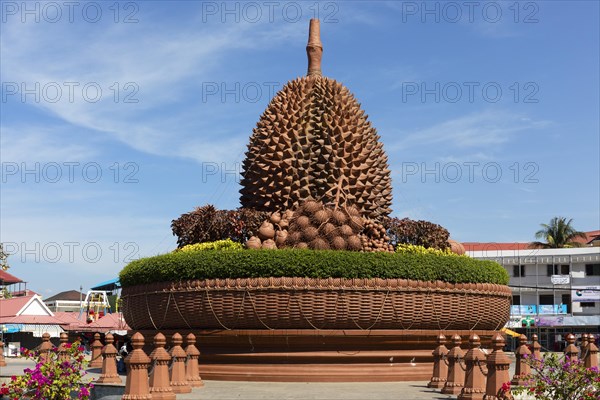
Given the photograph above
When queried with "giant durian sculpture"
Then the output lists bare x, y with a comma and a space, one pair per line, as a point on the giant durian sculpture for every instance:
315, 142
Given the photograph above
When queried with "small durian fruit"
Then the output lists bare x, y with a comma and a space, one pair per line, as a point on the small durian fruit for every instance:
338, 243
328, 229
312, 206
346, 231
320, 217
303, 222
339, 217
269, 244
294, 237
310, 233
288, 214
356, 223
319, 244
281, 238
276, 218
302, 245
266, 231
253, 243
352, 211
354, 243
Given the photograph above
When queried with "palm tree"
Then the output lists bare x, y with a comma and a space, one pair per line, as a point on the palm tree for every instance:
558, 233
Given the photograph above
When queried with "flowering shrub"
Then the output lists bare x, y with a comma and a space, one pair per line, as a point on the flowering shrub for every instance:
555, 378
226, 244
60, 377
416, 249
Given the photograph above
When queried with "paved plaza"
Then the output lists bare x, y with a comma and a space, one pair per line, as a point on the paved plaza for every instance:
221, 390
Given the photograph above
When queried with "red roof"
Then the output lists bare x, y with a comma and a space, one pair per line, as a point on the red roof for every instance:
590, 236
107, 323
32, 319
491, 246
10, 307
71, 319
8, 279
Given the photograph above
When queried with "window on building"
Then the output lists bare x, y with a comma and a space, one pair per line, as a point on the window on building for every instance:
516, 300
592, 269
563, 269
566, 299
518, 270
546, 299
588, 304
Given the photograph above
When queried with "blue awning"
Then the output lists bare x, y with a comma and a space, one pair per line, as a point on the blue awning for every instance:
12, 328
108, 285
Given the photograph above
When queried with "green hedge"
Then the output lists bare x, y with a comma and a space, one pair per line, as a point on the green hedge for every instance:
181, 266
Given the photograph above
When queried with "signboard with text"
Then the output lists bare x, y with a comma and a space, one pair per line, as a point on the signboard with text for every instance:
560, 279
585, 293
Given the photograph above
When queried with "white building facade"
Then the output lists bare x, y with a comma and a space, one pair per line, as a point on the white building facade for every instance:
555, 291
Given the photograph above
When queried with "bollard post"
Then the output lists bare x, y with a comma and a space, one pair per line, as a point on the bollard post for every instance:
571, 350
2, 359
136, 384
498, 374
591, 359
522, 368
192, 374
45, 348
160, 388
62, 347
178, 381
456, 373
536, 347
584, 342
96, 361
440, 369
109, 362
474, 386
583, 346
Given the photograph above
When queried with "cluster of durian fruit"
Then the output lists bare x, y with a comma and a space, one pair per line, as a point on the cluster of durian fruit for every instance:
317, 226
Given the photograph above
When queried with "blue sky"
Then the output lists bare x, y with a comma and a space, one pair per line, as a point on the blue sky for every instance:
117, 119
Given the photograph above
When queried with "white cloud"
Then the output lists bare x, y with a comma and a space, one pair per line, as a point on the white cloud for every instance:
484, 129
34, 143
163, 69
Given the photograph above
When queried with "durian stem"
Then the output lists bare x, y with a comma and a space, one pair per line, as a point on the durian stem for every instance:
314, 48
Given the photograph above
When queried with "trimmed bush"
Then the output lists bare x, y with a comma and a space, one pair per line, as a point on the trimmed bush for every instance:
180, 266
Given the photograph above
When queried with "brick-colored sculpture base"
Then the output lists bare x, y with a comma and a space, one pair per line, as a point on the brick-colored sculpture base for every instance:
317, 356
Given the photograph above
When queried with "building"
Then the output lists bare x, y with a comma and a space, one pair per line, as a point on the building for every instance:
555, 291
68, 301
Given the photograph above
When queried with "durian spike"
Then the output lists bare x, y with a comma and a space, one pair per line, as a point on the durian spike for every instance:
314, 48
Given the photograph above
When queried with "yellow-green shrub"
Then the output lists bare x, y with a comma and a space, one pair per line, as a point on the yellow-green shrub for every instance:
414, 249
226, 244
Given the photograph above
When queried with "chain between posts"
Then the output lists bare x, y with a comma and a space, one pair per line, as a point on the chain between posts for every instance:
445, 359
461, 363
484, 372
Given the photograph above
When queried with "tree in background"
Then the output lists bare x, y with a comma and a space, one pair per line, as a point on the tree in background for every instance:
558, 233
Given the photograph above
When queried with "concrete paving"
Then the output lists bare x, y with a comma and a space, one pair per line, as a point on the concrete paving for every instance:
221, 390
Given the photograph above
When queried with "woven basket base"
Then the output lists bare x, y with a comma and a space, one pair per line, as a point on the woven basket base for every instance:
319, 304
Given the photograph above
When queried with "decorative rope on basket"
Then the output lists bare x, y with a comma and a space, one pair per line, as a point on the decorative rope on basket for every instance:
315, 303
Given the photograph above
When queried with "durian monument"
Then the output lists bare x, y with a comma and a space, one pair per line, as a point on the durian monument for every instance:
319, 291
